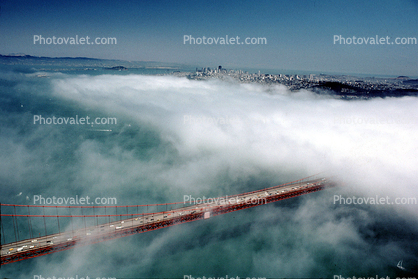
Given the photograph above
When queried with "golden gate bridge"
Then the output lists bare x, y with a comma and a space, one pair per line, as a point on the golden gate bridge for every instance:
65, 227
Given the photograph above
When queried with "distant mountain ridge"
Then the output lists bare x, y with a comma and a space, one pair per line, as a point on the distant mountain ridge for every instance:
22, 55
25, 59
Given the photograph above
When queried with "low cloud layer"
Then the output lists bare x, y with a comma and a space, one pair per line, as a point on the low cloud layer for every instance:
178, 137
249, 128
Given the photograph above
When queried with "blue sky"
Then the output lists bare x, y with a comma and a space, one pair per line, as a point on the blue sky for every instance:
299, 33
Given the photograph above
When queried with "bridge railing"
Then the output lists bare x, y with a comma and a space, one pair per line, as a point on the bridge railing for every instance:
20, 222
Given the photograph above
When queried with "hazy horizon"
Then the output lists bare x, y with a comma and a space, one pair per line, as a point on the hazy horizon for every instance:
248, 69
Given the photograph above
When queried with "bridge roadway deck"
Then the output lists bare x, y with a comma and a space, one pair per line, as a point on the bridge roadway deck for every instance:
30, 248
